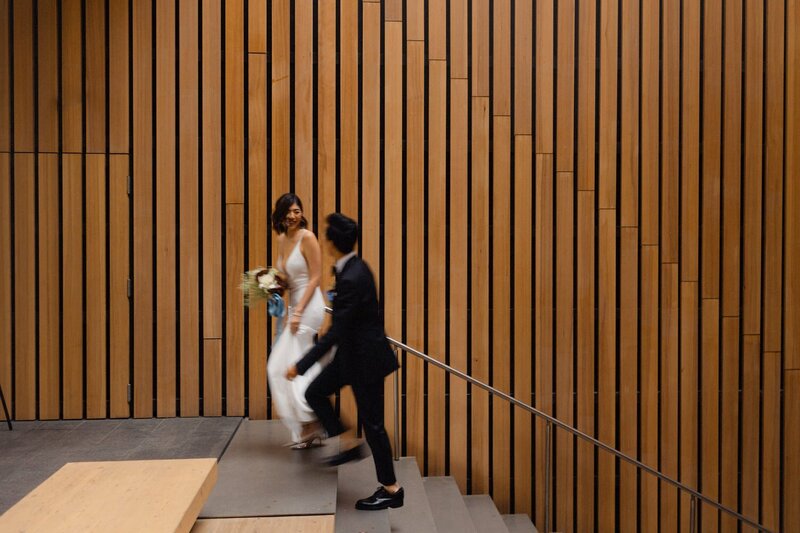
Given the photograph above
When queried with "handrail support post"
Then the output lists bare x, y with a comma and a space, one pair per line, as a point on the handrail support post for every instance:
548, 437
396, 410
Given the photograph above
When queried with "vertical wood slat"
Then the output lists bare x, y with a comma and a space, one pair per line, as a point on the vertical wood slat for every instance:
709, 415
689, 386
234, 324
669, 395
544, 97
118, 82
72, 83
212, 207
523, 67
501, 53
371, 139
771, 442
280, 61
234, 102
565, 99
629, 113
95, 81
119, 272
606, 360
72, 286
415, 247
258, 229
303, 47
480, 47
690, 147
670, 132
565, 348
96, 295
543, 315
5, 76
437, 264
501, 303
523, 319
607, 143
415, 20
628, 370
142, 211
189, 283
165, 223
587, 17
791, 379
750, 430
47, 75
479, 292
24, 192
459, 207
649, 121
459, 35
348, 106
393, 190
648, 368
49, 288
773, 176
24, 105
6, 260
257, 26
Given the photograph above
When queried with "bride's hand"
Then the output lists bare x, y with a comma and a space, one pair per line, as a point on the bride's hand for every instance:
294, 323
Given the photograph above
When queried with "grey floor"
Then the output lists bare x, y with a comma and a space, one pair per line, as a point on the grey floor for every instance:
35, 450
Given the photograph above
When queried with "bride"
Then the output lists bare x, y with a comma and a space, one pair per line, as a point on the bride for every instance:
300, 259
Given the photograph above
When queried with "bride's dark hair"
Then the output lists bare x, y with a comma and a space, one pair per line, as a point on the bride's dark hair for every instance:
282, 207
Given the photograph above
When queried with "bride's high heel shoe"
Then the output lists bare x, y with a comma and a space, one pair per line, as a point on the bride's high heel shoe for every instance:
311, 438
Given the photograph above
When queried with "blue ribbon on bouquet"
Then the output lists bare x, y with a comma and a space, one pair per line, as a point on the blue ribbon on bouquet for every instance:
277, 308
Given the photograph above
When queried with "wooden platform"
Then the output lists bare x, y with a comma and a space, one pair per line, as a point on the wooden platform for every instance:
278, 524
120, 496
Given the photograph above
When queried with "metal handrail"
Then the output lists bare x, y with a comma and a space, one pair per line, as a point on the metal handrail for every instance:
554, 421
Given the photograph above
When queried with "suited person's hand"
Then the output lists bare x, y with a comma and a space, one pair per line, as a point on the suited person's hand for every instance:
291, 373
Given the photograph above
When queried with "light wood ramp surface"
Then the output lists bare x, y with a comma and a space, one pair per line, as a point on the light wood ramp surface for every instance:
267, 524
120, 496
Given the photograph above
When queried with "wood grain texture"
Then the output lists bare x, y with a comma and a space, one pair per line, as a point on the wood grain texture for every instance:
95, 57
5, 75
189, 180
479, 290
6, 260
563, 444
689, 387
437, 29
690, 147
710, 409
212, 377
773, 178
371, 138
585, 359
142, 211
96, 294
25, 350
348, 107
234, 311
649, 115
669, 377
259, 231
234, 101
543, 94
280, 61
72, 83
648, 369
459, 32
629, 115
119, 273
607, 361
729, 414
565, 82
607, 103
480, 51
791, 444
750, 430
415, 20
415, 246
523, 67
46, 74
118, 74
437, 264
165, 222
628, 370
523, 320
501, 57
771, 442
72, 258
670, 132
257, 26
24, 105
587, 19
303, 48
49, 288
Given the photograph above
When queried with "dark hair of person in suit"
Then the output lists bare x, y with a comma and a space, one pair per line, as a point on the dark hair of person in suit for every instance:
342, 232
282, 207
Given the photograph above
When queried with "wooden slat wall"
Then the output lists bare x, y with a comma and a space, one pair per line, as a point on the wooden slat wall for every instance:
591, 205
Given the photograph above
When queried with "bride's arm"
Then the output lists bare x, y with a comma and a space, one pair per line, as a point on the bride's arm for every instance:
309, 247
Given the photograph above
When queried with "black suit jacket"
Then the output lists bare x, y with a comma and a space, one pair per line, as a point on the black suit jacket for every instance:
363, 354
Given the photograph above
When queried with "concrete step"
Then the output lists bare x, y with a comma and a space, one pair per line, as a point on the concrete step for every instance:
356, 481
484, 514
519, 523
449, 510
415, 516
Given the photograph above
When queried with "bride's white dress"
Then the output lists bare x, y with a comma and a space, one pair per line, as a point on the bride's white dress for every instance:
290, 396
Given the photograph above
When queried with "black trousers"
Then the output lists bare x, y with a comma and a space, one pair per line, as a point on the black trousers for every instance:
369, 400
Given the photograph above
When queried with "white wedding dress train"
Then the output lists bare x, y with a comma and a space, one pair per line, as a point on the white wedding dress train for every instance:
290, 396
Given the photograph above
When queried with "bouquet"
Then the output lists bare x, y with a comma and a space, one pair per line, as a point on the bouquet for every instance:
265, 284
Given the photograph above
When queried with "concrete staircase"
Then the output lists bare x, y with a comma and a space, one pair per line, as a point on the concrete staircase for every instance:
432, 504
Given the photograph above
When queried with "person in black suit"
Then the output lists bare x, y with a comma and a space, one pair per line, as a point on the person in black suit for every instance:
363, 359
